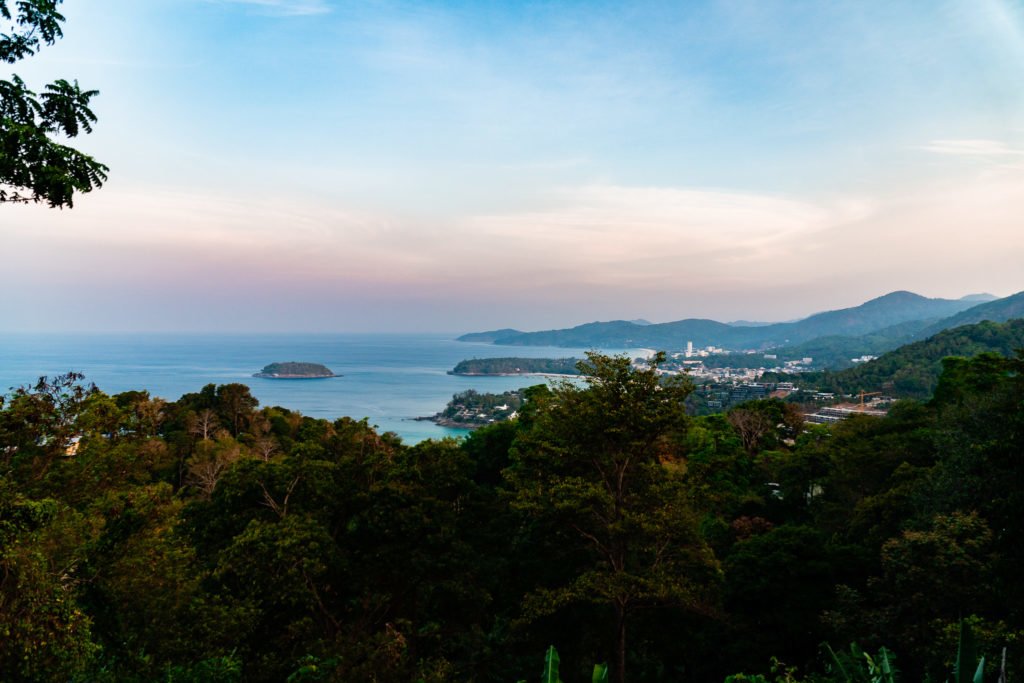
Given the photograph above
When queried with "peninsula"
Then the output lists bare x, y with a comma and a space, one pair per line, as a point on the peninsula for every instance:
517, 366
294, 370
471, 409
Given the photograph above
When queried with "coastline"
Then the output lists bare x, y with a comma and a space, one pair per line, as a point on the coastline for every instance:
451, 424
510, 374
263, 375
388, 378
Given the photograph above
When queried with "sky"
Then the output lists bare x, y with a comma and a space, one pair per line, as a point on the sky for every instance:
358, 166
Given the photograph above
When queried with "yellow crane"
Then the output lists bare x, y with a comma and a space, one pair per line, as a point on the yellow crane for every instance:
867, 393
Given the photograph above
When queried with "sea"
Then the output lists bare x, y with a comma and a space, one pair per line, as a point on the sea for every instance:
390, 379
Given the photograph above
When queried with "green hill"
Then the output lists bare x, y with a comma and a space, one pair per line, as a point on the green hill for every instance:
912, 371
998, 311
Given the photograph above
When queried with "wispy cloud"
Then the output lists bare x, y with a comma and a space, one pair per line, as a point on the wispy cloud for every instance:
621, 235
285, 7
642, 236
972, 147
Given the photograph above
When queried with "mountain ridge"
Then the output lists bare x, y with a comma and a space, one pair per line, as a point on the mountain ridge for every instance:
886, 311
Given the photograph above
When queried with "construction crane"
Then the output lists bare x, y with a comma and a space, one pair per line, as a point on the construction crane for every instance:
867, 393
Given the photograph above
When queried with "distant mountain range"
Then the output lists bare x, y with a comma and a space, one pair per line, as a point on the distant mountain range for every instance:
874, 326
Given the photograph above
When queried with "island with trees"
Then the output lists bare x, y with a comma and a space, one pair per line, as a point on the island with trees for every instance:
294, 370
517, 366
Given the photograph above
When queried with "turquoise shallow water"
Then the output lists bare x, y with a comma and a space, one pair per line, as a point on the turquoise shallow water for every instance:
388, 378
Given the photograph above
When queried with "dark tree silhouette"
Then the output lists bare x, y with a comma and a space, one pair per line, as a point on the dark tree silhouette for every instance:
35, 166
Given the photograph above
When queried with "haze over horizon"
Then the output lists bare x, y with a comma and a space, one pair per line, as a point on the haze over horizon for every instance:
314, 165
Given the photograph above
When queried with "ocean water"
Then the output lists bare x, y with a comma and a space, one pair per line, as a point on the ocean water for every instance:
387, 378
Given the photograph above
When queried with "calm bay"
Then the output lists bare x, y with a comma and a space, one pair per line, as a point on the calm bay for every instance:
388, 378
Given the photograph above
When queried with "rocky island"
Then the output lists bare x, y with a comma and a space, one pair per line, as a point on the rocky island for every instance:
294, 370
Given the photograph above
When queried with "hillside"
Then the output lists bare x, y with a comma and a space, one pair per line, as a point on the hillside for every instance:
877, 314
998, 311
625, 334
214, 522
885, 311
912, 371
488, 337
834, 352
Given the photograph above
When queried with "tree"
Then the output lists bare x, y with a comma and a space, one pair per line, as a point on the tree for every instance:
210, 462
45, 636
235, 403
34, 166
602, 462
40, 424
202, 424
752, 425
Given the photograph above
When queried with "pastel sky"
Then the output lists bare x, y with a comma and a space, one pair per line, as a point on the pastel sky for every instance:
330, 165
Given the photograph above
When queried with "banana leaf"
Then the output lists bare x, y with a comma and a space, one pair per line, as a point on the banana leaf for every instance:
551, 667
966, 655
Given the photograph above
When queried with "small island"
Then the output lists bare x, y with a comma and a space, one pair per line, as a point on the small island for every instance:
294, 370
516, 366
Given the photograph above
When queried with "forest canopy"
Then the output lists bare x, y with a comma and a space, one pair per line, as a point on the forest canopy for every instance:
213, 539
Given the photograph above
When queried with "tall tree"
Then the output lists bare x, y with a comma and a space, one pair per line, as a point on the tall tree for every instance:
34, 165
603, 462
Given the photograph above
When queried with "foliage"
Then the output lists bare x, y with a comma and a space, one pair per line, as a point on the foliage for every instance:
597, 461
551, 665
34, 165
210, 538
294, 369
857, 666
471, 408
45, 634
516, 366
912, 371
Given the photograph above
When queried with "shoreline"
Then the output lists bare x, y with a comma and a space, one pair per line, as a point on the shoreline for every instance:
510, 374
451, 424
262, 375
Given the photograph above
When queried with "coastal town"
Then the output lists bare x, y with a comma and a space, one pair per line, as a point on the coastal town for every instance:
723, 379
721, 385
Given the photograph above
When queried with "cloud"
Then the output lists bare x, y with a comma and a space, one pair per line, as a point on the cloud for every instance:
972, 147
578, 253
653, 237
640, 238
164, 233
286, 7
